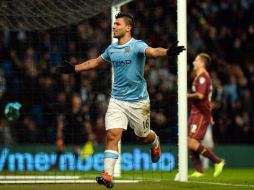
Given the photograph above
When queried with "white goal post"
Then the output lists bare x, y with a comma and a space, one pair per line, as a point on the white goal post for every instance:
182, 93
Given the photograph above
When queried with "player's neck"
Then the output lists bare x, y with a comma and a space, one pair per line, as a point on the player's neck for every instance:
200, 70
124, 39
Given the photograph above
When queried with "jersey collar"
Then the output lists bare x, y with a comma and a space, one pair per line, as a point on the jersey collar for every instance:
126, 43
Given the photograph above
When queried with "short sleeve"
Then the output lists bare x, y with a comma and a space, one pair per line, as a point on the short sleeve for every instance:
140, 47
105, 55
203, 84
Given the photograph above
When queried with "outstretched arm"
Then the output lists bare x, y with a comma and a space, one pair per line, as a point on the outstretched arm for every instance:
156, 52
68, 68
173, 50
90, 64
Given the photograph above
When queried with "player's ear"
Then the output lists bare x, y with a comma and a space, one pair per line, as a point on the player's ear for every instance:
128, 28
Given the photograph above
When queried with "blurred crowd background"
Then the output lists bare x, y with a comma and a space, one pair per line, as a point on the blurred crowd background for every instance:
72, 107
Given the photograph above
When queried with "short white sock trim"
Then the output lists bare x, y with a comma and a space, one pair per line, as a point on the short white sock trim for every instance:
155, 143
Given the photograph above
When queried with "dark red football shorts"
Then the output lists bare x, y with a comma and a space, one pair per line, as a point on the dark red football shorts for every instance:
197, 126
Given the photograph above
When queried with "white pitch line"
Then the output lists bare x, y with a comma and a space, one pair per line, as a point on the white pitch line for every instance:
61, 181
39, 177
223, 184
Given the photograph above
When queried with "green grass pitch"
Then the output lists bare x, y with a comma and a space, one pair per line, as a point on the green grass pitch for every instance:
230, 179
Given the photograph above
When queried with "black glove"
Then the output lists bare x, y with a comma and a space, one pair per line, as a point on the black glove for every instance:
174, 50
66, 68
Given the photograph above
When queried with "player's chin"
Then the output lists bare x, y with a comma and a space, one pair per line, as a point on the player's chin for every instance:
115, 36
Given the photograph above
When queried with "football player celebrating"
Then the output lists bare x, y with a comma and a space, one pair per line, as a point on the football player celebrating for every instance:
129, 102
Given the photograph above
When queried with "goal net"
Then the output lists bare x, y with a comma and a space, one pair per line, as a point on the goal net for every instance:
60, 135
30, 15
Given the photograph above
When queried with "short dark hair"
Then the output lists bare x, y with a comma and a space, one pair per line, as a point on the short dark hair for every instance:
206, 59
127, 17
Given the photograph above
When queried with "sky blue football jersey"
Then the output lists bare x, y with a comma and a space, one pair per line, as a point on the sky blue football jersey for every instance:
128, 61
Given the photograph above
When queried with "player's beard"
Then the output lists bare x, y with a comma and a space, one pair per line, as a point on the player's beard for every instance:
118, 35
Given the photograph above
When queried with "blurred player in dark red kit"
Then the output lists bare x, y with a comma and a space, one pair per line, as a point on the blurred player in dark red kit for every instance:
201, 116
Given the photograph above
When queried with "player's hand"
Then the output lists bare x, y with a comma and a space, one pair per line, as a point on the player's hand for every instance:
66, 68
174, 50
